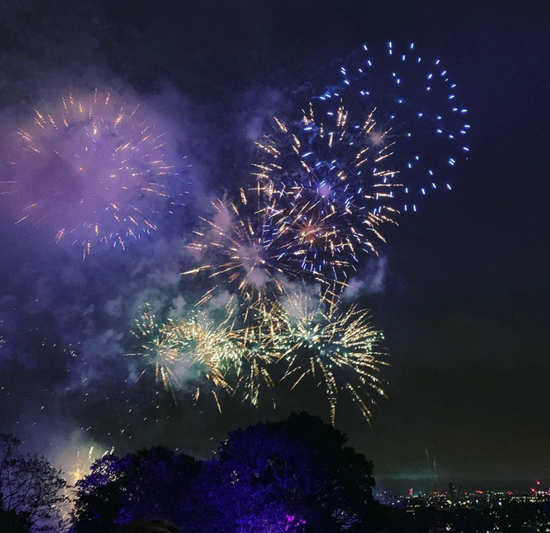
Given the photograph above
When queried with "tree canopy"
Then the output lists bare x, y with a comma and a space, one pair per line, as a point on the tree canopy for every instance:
153, 483
31, 490
291, 476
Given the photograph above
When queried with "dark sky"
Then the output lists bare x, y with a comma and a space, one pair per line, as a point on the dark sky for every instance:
465, 296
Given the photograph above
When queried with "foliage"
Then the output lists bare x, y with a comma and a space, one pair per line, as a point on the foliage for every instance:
30, 490
152, 483
293, 476
11, 522
288, 476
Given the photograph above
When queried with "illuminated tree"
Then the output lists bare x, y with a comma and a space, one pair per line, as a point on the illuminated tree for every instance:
149, 484
295, 475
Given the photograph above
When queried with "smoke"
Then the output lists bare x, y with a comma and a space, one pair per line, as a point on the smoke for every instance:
65, 323
259, 106
75, 455
372, 280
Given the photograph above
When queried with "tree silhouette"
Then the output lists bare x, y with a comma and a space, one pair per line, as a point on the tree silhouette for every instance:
11, 522
293, 476
152, 484
30, 490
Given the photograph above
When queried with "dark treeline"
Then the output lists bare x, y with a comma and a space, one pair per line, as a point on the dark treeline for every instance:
31, 491
291, 476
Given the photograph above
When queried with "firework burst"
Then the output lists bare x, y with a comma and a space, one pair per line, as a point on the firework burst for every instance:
329, 193
416, 114
242, 250
96, 171
338, 349
188, 352
160, 344
259, 350
326, 186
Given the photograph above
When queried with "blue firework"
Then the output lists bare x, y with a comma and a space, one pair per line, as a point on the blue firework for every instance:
407, 105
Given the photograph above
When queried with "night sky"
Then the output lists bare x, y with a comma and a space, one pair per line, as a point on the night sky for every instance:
460, 289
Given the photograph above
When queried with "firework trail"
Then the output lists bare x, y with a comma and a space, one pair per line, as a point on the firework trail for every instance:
211, 347
81, 467
160, 343
412, 105
7, 187
257, 343
96, 171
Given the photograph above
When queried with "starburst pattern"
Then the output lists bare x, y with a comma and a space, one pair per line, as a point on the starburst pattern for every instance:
96, 171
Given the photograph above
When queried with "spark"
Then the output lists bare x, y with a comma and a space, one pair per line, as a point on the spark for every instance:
187, 352
242, 249
328, 192
96, 171
335, 347
406, 107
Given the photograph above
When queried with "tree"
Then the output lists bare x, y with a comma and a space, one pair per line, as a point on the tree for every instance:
295, 475
153, 483
11, 522
30, 489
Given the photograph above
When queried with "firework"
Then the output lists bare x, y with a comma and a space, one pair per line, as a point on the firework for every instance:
81, 467
326, 185
160, 343
212, 348
336, 348
96, 171
259, 352
301, 335
411, 105
329, 194
241, 249
188, 352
